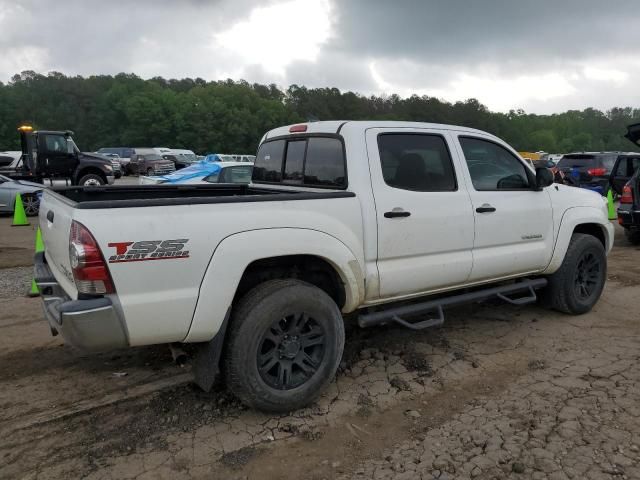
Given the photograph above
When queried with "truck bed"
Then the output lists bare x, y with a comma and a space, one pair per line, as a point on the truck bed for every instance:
162, 195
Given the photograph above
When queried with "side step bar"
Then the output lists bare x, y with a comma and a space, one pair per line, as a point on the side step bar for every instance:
395, 314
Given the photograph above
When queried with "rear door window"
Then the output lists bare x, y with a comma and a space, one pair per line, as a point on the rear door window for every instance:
418, 162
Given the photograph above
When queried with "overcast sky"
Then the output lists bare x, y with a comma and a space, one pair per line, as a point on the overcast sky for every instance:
540, 55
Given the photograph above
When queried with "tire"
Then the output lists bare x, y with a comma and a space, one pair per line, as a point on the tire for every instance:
31, 204
91, 180
262, 329
575, 288
633, 236
149, 172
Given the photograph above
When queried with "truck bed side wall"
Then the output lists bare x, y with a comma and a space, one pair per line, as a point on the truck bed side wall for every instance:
164, 293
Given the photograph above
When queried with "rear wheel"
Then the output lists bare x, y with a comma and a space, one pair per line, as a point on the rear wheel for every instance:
91, 180
577, 285
632, 235
285, 343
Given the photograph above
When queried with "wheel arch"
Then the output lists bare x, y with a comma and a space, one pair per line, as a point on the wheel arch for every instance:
586, 220
246, 259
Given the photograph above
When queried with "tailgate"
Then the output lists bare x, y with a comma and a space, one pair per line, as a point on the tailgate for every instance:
56, 214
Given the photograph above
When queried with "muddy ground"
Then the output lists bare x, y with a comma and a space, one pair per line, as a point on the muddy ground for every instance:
497, 392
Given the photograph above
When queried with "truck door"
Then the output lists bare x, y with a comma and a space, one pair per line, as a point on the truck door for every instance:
425, 221
56, 157
513, 221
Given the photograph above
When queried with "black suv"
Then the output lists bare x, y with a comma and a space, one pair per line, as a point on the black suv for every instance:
625, 181
588, 170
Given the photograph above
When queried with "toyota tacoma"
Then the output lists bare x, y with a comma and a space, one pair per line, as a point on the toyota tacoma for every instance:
382, 222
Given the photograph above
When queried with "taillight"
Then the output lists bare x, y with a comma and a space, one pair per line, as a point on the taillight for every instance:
89, 269
627, 194
597, 172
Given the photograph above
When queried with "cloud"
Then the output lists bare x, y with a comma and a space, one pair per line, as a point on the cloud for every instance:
542, 56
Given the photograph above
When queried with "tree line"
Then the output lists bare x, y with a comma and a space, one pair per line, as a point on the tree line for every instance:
231, 116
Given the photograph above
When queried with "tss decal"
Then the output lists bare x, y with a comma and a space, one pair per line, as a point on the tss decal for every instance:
148, 250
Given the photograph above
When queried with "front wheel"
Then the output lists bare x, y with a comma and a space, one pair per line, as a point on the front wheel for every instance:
91, 180
284, 345
149, 172
577, 285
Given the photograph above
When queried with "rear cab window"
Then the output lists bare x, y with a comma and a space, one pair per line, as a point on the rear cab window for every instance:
311, 161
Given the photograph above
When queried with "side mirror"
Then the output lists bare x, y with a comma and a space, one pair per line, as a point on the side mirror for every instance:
544, 177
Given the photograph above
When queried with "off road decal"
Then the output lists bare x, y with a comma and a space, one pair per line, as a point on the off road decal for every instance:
148, 250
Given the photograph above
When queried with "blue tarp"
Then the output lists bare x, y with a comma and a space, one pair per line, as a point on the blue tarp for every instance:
200, 169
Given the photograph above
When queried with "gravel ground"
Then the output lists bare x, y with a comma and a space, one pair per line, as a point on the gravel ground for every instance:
15, 282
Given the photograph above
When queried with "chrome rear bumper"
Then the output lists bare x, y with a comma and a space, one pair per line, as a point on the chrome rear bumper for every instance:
91, 324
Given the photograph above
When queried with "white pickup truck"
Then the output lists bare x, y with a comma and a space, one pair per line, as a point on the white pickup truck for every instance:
392, 221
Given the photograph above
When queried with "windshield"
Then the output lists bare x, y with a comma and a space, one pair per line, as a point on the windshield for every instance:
191, 157
152, 156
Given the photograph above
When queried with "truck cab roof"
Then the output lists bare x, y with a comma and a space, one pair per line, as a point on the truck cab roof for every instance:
337, 126
53, 132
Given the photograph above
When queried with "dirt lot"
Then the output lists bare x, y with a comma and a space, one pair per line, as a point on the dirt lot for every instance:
498, 392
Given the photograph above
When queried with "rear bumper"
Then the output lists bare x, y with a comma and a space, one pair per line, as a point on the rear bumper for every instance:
92, 324
629, 218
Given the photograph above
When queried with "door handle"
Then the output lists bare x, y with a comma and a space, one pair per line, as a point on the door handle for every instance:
50, 216
396, 214
485, 208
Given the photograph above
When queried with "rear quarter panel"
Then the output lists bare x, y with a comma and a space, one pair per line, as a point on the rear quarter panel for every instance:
158, 298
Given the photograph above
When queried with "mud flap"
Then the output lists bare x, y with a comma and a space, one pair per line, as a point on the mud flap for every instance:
206, 365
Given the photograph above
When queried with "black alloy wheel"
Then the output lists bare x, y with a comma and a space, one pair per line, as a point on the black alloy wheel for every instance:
291, 351
587, 276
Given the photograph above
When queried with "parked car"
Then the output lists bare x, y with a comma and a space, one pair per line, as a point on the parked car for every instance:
588, 170
146, 161
124, 154
181, 160
229, 157
205, 172
30, 193
9, 160
389, 221
625, 181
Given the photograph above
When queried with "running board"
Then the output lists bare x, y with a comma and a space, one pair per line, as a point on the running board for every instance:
502, 292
